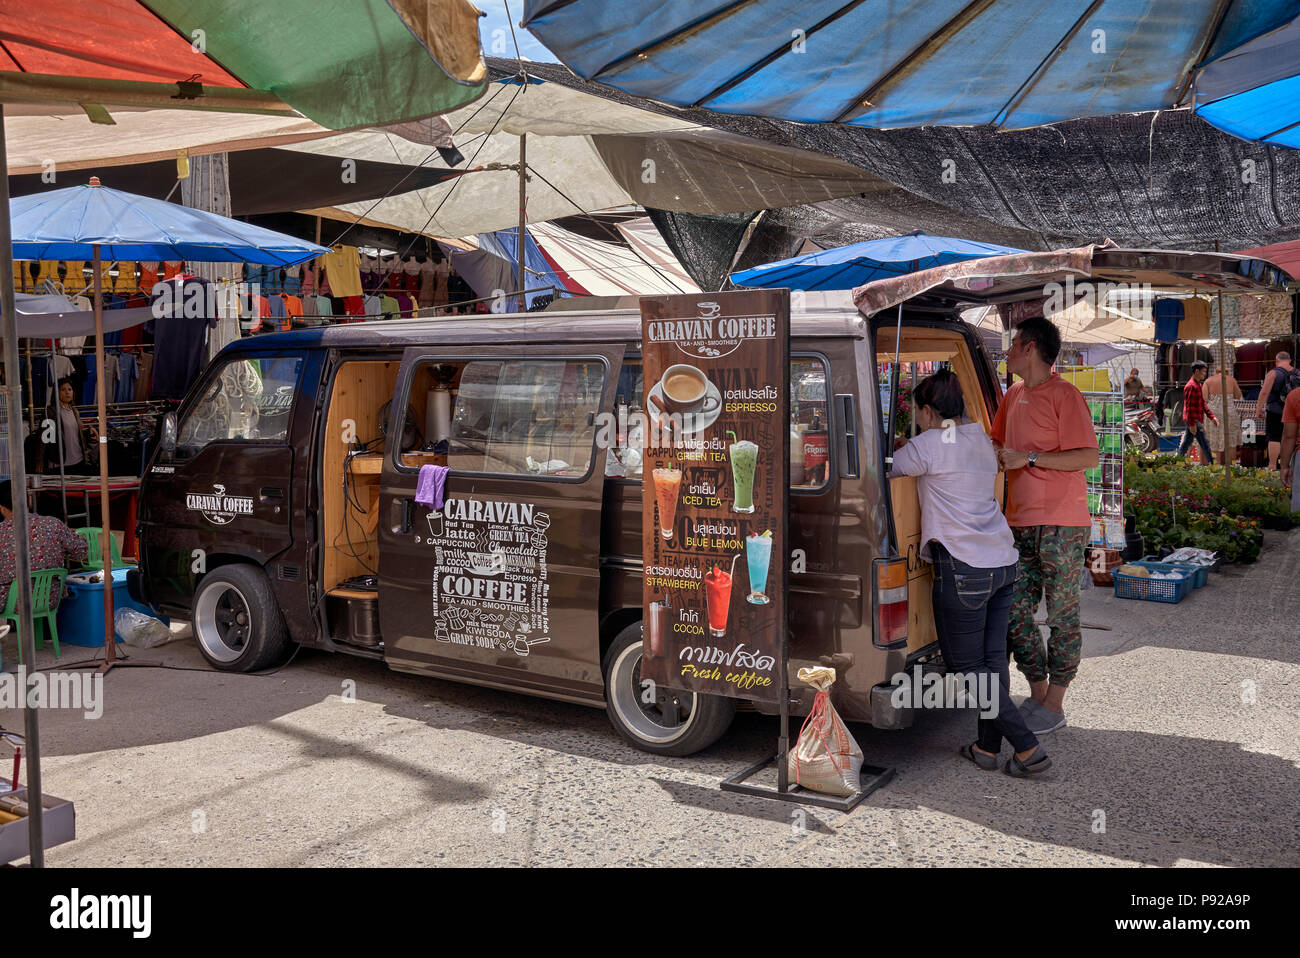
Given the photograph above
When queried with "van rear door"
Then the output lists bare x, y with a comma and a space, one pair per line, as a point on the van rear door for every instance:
926, 339
500, 585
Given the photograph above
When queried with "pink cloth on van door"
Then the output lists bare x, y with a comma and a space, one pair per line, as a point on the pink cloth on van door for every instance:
429, 486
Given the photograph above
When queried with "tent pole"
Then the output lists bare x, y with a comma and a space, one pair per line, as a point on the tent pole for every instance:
1229, 409
519, 239
105, 535
18, 476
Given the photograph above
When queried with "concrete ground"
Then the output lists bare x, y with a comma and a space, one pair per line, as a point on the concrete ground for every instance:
1182, 749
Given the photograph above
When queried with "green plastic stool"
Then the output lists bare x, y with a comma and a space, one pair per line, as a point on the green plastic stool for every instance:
95, 559
46, 584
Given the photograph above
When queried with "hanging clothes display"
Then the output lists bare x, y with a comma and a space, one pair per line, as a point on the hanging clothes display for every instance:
342, 268
126, 378
180, 343
144, 382
148, 277
1196, 319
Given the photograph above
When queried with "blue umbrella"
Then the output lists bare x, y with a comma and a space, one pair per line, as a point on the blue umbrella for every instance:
1253, 91
94, 222
906, 63
848, 267
71, 223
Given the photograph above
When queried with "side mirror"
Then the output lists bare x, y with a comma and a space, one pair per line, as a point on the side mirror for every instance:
167, 438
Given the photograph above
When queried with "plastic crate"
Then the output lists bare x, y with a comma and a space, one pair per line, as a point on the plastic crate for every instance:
1200, 573
1152, 590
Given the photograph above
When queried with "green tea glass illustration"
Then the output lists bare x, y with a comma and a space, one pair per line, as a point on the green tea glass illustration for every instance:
744, 459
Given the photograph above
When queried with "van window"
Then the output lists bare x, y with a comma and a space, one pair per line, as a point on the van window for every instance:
808, 413
513, 416
250, 399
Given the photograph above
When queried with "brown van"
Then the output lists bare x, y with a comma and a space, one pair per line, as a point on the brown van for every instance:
280, 506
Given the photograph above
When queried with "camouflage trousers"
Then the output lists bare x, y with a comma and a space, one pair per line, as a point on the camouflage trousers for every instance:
1051, 564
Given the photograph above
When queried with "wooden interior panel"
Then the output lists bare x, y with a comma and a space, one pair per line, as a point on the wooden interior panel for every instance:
360, 391
920, 574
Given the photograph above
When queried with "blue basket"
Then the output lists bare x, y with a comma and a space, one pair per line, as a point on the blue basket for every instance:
1152, 590
1200, 573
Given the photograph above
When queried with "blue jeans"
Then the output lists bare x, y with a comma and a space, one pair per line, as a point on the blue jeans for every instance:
971, 609
1185, 444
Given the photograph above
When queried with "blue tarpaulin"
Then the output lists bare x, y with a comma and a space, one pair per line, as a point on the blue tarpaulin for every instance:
903, 63
1253, 92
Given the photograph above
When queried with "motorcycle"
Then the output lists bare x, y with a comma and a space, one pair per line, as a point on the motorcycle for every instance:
1140, 428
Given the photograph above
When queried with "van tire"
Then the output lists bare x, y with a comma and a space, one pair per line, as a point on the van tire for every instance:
237, 622
708, 718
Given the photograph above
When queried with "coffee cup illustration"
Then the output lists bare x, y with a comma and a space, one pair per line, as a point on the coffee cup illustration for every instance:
685, 390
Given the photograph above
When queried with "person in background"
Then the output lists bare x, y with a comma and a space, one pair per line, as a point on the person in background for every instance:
967, 539
1221, 393
80, 445
52, 545
1290, 424
1272, 396
1045, 438
1134, 390
1195, 413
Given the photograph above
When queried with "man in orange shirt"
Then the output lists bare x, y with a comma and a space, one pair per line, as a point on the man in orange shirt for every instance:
1045, 439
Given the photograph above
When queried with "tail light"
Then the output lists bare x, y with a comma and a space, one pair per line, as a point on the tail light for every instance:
889, 583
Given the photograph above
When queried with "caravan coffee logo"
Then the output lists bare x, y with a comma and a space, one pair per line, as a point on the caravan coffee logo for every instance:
217, 507
710, 335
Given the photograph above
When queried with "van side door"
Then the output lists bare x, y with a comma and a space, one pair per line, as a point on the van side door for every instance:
501, 584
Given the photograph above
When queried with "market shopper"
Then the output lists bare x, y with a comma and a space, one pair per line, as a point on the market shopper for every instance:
1045, 438
1195, 412
52, 545
967, 539
1221, 393
1273, 392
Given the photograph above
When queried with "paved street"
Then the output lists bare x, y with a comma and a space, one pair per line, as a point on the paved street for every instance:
203, 768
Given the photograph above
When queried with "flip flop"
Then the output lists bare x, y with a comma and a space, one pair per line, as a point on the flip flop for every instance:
987, 762
1018, 769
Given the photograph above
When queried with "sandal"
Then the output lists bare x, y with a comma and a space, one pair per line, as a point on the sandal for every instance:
1018, 769
987, 762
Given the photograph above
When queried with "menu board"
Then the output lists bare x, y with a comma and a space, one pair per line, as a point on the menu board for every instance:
716, 369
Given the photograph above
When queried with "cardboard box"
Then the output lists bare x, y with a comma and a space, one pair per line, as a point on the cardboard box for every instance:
59, 822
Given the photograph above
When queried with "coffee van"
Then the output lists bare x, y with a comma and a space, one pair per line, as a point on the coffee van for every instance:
280, 506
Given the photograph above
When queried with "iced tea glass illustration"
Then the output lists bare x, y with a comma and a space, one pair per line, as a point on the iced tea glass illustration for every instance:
744, 459
717, 589
668, 482
758, 556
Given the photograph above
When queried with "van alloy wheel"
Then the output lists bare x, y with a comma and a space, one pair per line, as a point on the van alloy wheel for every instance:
668, 714
223, 622
237, 621
662, 721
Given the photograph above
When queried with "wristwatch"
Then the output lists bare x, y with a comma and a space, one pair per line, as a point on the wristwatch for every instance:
1033, 458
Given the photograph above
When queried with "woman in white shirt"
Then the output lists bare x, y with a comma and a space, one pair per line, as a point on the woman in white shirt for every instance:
966, 537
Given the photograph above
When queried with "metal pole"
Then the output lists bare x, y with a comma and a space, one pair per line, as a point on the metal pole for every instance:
105, 535
1229, 408
519, 239
18, 477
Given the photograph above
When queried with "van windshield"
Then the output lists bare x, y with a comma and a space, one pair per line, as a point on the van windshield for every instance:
250, 399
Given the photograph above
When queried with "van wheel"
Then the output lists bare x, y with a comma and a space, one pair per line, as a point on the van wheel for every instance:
672, 722
237, 622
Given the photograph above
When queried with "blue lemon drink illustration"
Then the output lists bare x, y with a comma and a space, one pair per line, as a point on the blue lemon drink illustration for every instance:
758, 556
